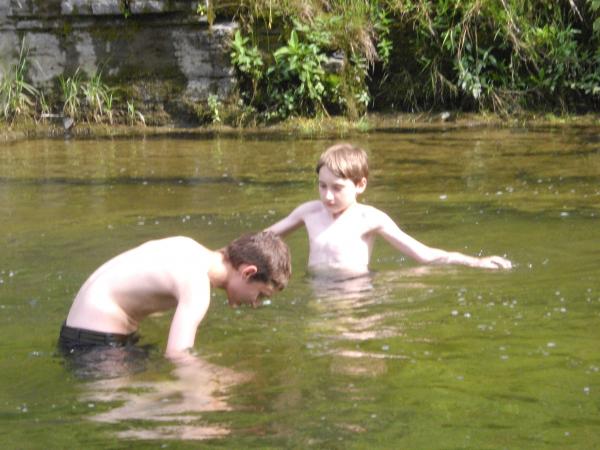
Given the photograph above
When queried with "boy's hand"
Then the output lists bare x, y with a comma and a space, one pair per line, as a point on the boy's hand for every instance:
494, 262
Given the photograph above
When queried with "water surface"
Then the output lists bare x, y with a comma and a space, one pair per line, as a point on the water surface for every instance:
410, 357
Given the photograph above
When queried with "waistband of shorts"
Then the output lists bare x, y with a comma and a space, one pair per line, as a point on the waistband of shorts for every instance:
95, 337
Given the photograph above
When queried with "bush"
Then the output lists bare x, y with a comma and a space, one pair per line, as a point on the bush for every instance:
482, 55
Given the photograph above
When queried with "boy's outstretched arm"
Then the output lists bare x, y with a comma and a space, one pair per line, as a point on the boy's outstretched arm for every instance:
290, 223
420, 252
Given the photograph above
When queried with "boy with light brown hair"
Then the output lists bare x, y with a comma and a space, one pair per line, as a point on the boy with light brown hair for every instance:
341, 231
175, 272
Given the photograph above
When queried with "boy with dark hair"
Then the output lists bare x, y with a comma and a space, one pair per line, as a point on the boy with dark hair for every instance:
341, 231
175, 272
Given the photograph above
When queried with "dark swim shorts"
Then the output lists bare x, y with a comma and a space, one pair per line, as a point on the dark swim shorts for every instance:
82, 339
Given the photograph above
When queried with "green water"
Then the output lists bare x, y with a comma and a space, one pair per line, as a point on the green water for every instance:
413, 357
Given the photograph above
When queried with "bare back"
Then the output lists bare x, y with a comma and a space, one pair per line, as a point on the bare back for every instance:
150, 278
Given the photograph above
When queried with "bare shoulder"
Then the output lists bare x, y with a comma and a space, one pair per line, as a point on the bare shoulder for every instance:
370, 212
310, 207
373, 218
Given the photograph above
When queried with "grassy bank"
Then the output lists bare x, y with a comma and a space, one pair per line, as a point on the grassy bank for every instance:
310, 65
335, 127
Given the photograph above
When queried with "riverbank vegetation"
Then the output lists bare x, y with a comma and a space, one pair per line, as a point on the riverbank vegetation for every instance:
315, 59
307, 57
81, 98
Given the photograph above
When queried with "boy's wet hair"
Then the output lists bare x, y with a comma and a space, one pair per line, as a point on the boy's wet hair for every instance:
345, 161
267, 252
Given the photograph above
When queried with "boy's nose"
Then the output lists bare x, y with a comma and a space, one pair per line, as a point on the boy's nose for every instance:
329, 195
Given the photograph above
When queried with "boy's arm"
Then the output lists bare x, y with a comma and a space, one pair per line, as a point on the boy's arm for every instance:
386, 227
291, 222
193, 301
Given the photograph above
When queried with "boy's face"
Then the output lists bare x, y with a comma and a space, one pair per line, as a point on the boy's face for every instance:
241, 290
337, 193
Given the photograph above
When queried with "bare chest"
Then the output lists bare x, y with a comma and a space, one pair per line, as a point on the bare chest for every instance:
341, 241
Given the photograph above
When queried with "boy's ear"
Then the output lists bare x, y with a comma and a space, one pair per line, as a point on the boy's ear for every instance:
247, 270
361, 185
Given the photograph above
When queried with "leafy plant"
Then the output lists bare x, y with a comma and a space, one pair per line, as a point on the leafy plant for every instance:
296, 81
247, 60
299, 76
70, 88
214, 104
43, 105
17, 96
595, 8
109, 106
134, 115
96, 94
207, 9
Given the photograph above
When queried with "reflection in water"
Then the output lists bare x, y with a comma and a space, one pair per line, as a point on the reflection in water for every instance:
334, 284
351, 313
351, 291
197, 387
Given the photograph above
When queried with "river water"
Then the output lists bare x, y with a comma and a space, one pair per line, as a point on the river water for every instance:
410, 357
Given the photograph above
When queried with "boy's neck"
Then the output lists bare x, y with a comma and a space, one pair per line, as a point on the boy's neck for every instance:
339, 214
218, 269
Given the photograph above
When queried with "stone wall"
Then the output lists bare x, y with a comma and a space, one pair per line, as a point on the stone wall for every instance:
161, 52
